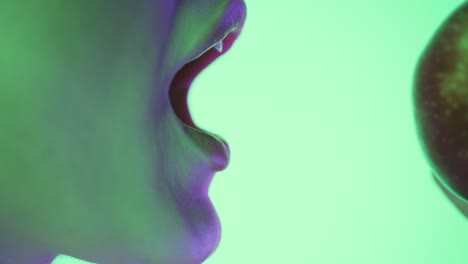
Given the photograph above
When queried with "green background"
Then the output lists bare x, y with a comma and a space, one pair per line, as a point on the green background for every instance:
315, 101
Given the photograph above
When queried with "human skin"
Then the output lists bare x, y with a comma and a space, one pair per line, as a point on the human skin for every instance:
97, 161
441, 106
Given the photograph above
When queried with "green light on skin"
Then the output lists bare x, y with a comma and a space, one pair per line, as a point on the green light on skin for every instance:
94, 163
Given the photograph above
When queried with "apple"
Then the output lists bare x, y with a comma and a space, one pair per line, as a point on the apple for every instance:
440, 98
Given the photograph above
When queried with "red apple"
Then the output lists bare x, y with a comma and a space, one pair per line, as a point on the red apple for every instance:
441, 103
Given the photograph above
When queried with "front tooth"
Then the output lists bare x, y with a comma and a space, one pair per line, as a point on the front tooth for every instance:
219, 46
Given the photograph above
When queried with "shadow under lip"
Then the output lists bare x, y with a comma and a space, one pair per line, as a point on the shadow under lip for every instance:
459, 203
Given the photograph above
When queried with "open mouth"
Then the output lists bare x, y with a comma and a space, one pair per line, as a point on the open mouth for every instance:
229, 29
213, 145
180, 85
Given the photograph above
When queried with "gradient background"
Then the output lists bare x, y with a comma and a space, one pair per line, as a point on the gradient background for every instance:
315, 102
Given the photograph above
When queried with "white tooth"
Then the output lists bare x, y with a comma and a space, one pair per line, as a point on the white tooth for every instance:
219, 46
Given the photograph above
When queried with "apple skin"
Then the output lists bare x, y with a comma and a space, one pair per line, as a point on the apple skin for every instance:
440, 99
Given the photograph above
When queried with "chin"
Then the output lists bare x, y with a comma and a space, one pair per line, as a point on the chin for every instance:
206, 231
202, 225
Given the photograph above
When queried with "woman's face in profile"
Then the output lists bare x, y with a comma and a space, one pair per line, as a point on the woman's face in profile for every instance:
100, 159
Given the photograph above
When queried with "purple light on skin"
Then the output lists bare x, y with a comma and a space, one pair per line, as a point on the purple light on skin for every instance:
14, 256
199, 213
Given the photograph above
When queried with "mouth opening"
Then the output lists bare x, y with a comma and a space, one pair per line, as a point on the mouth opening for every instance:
180, 85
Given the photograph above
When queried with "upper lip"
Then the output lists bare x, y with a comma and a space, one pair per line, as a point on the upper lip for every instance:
231, 24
